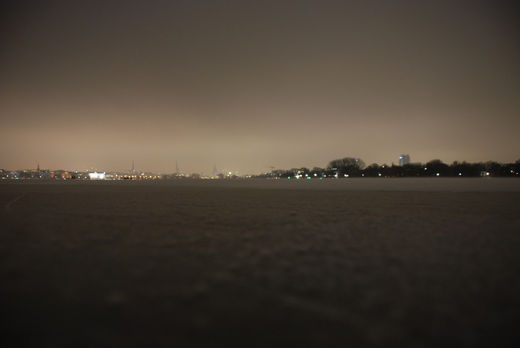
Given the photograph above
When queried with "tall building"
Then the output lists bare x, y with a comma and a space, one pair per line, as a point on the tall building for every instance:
404, 159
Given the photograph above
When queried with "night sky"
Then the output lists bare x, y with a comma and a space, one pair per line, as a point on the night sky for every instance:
247, 85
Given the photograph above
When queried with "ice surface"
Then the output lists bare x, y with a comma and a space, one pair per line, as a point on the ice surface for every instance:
379, 262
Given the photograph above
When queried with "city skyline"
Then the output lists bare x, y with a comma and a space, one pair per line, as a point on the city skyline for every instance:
254, 85
402, 160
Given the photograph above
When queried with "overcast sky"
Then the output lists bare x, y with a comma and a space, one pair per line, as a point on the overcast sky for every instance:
247, 85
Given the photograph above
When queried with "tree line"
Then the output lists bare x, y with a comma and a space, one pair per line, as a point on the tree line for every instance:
355, 167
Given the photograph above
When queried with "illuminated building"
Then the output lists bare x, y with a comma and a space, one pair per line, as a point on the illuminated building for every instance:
97, 176
404, 160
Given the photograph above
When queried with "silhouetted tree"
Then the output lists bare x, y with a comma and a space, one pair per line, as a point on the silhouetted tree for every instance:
412, 170
317, 172
494, 168
437, 168
516, 167
372, 170
355, 167
465, 169
347, 166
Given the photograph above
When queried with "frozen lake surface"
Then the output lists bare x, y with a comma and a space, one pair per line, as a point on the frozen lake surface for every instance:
379, 262
486, 184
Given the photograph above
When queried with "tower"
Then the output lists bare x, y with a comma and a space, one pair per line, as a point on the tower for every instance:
404, 160
133, 168
176, 168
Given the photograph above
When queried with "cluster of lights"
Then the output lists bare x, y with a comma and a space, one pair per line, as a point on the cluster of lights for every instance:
299, 175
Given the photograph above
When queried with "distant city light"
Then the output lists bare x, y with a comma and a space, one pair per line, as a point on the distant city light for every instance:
97, 176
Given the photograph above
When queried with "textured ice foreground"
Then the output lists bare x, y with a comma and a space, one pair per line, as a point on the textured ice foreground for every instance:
486, 184
410, 262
